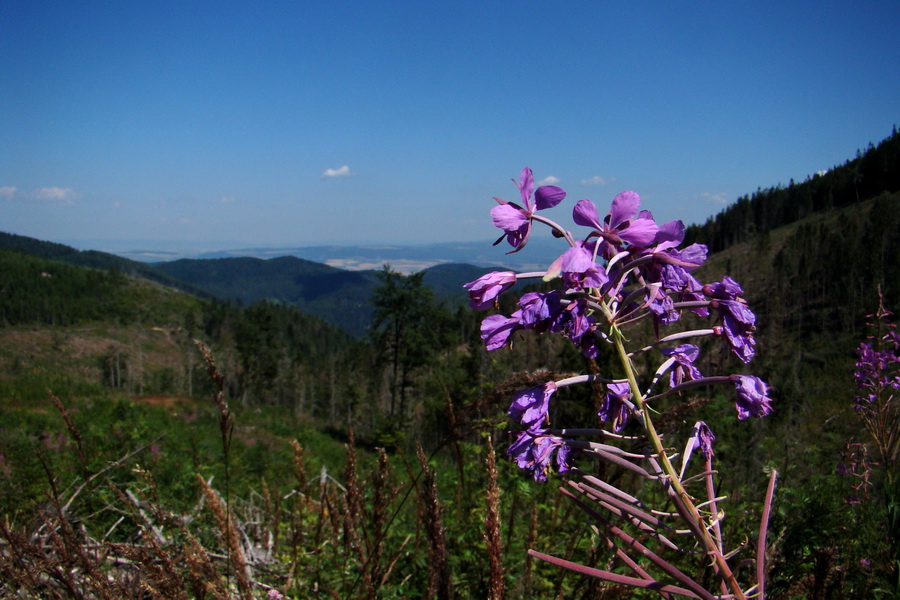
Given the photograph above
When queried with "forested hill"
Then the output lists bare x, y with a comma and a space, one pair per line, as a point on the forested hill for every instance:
872, 173
338, 296
93, 259
341, 297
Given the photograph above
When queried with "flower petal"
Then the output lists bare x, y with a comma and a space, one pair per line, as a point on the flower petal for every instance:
624, 206
548, 196
641, 232
526, 187
586, 215
507, 217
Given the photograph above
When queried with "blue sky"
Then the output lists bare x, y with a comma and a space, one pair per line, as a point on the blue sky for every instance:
229, 124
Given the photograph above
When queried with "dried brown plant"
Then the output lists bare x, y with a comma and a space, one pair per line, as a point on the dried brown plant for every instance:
496, 585
433, 517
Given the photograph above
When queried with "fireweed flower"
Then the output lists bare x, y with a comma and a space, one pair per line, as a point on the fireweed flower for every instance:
705, 438
684, 368
515, 220
484, 291
738, 321
534, 449
579, 271
530, 406
614, 409
752, 396
620, 226
878, 368
574, 321
496, 329
539, 310
627, 269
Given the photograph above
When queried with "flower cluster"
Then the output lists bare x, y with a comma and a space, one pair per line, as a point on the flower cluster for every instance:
878, 379
624, 269
878, 368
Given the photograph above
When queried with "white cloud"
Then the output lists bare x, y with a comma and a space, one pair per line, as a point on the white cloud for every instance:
597, 180
341, 172
226, 199
549, 180
66, 195
716, 199
7, 192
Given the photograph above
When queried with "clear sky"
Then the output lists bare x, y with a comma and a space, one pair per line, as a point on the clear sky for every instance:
302, 123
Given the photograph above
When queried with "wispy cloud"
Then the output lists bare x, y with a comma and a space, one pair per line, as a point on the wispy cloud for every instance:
7, 192
597, 180
340, 172
66, 195
226, 199
549, 180
714, 199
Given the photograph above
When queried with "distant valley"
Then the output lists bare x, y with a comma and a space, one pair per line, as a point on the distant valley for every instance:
403, 258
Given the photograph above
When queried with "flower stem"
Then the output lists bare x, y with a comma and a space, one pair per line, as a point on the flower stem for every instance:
691, 514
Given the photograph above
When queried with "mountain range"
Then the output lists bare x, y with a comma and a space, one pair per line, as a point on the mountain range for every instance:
335, 295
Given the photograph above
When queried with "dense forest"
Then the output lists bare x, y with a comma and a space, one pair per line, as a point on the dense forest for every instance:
99, 360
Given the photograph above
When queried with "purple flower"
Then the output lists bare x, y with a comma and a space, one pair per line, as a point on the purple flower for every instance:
727, 289
705, 438
661, 305
738, 321
539, 310
530, 406
620, 225
672, 267
535, 448
614, 408
684, 368
877, 369
574, 321
514, 219
579, 271
496, 329
740, 337
752, 396
484, 291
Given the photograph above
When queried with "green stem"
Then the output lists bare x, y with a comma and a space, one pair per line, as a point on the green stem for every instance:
691, 515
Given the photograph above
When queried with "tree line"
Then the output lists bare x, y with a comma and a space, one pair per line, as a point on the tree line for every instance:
870, 173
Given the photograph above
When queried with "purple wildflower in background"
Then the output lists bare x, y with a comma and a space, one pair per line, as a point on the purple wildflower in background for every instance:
614, 409
752, 396
530, 406
684, 368
534, 449
878, 367
515, 220
484, 291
